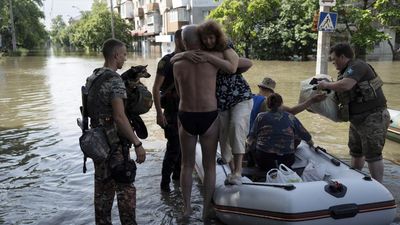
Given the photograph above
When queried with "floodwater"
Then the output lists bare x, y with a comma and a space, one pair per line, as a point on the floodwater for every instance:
41, 179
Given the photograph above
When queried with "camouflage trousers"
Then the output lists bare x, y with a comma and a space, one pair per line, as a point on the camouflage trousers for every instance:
104, 193
367, 135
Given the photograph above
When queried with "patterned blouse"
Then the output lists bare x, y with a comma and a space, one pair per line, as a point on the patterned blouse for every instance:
275, 132
231, 90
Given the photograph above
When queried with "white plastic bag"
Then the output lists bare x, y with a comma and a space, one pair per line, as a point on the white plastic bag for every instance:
313, 172
282, 174
328, 107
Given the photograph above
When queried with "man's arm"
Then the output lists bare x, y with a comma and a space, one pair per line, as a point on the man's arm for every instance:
229, 63
342, 85
156, 98
125, 129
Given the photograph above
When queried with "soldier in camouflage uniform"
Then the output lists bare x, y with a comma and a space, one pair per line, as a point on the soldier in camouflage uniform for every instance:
362, 102
273, 135
106, 109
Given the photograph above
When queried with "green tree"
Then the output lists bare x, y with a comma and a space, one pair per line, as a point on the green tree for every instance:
295, 27
269, 29
30, 32
389, 17
92, 29
364, 21
57, 30
243, 20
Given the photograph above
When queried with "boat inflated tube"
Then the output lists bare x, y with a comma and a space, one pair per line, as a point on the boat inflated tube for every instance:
343, 211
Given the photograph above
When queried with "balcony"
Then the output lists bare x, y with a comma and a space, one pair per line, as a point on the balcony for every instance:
175, 25
178, 15
126, 10
138, 12
165, 5
180, 3
153, 7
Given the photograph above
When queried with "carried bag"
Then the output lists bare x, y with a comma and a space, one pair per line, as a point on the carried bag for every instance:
328, 107
313, 172
282, 174
139, 100
94, 144
124, 172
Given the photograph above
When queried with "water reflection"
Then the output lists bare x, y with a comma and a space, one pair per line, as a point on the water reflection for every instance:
41, 179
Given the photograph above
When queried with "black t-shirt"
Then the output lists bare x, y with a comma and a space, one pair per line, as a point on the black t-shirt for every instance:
165, 68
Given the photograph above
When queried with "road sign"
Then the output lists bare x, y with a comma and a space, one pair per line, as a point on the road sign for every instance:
327, 2
327, 22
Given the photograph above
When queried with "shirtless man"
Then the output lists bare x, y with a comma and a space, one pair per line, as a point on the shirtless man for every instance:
198, 117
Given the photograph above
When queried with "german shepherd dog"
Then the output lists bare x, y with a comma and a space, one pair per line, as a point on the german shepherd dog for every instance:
139, 98
132, 76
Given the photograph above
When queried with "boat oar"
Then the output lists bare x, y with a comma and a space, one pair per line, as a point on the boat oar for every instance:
333, 160
337, 162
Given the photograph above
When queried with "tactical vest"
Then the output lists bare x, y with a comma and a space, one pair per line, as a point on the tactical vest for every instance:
100, 115
362, 92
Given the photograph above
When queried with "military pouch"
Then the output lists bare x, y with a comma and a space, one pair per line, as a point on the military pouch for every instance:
124, 172
367, 91
343, 112
94, 144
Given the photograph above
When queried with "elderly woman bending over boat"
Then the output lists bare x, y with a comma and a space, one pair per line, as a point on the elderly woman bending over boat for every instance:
275, 136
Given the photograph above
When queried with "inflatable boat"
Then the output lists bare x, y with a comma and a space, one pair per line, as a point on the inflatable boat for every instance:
394, 127
343, 196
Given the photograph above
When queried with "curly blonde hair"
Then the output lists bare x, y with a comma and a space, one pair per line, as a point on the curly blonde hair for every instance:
211, 27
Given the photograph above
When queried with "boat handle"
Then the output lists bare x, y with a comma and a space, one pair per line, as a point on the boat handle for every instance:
343, 211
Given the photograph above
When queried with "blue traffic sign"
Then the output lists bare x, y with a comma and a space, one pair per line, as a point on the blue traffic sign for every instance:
327, 21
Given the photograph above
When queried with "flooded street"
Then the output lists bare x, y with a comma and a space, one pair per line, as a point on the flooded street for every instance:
41, 179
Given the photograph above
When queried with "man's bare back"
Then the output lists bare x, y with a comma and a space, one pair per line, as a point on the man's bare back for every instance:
196, 84
198, 118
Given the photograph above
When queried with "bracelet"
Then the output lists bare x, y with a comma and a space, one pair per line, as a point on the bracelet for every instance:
137, 145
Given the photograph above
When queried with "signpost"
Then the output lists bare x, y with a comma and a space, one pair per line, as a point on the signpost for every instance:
326, 23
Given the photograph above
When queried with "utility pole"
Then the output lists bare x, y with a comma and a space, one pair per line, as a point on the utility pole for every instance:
112, 19
13, 37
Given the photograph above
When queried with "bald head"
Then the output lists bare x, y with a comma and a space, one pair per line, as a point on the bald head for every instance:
191, 37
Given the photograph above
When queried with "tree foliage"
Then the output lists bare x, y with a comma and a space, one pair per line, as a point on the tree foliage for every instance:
92, 29
269, 29
365, 20
30, 32
272, 29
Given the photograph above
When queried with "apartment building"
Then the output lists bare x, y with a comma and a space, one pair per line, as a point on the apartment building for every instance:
154, 22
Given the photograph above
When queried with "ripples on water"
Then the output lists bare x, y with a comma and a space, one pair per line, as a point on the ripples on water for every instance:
41, 179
